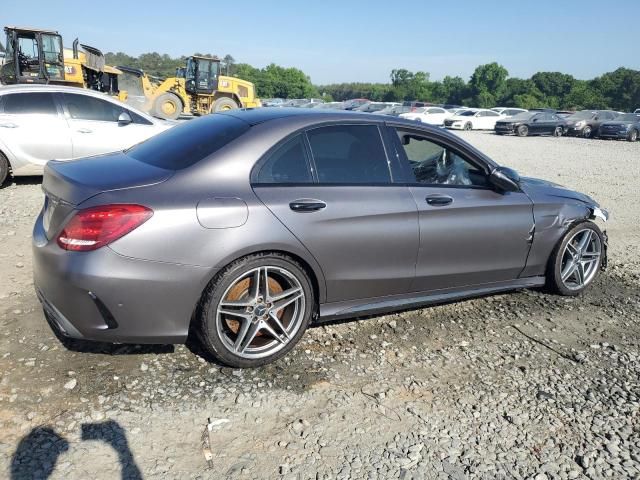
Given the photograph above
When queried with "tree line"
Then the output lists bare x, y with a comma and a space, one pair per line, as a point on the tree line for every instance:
488, 86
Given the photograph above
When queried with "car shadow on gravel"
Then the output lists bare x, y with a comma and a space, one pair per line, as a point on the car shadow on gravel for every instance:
86, 346
38, 451
22, 181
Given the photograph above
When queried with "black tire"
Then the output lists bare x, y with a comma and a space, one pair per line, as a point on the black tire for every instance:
4, 169
587, 132
522, 131
468, 126
632, 137
208, 332
554, 280
558, 131
168, 105
223, 104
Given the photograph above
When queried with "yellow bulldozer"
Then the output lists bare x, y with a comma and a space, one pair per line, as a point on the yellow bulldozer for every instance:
37, 56
197, 89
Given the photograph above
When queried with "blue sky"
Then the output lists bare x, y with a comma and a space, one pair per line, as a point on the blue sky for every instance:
358, 40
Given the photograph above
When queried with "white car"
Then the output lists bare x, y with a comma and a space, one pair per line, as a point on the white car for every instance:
44, 122
508, 111
637, 110
430, 115
473, 119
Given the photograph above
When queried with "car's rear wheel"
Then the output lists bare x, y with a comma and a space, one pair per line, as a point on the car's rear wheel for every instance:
522, 131
632, 137
256, 310
468, 126
587, 132
576, 261
558, 131
4, 169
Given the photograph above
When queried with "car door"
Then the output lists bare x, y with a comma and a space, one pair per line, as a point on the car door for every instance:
538, 124
94, 126
436, 116
333, 188
27, 116
470, 234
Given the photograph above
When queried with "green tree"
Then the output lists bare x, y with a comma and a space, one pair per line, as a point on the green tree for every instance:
487, 84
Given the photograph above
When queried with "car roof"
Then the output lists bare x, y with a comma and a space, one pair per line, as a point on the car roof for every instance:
6, 89
254, 116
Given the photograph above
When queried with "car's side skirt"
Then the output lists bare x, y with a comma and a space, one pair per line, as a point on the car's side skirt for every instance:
369, 306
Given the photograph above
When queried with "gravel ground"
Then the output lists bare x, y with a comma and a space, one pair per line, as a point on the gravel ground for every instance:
524, 385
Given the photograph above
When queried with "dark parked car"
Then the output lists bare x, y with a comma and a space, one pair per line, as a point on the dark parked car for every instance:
625, 126
531, 123
355, 103
247, 226
586, 123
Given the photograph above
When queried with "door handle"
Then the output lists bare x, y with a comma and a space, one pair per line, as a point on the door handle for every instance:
85, 130
439, 200
8, 125
307, 205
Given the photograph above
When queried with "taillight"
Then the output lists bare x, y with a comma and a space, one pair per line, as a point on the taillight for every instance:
96, 227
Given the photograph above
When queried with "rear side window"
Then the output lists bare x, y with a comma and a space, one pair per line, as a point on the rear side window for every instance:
29, 103
287, 164
349, 154
188, 143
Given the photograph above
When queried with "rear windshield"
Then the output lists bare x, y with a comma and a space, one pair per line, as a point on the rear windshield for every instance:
188, 143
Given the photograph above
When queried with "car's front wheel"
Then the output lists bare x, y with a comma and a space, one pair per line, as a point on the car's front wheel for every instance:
576, 261
468, 126
522, 131
587, 132
256, 310
632, 137
4, 168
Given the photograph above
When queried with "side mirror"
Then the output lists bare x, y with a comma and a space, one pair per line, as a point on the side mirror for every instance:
535, 120
597, 118
124, 119
505, 179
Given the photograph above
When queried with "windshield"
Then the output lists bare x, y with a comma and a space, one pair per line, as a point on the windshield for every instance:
467, 113
628, 117
582, 115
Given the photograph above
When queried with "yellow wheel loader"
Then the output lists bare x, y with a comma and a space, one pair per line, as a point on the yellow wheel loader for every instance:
197, 89
37, 56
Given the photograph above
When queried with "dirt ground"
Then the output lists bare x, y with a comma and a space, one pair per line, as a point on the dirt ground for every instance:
520, 385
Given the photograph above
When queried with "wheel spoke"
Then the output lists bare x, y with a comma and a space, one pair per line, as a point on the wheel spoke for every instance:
234, 313
255, 285
243, 342
272, 332
286, 298
585, 241
266, 284
236, 303
242, 332
580, 272
278, 323
571, 248
568, 271
590, 256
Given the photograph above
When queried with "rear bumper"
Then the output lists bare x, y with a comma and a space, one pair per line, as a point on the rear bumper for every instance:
107, 297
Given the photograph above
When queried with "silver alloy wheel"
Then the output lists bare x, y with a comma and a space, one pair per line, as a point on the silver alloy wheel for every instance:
260, 312
581, 259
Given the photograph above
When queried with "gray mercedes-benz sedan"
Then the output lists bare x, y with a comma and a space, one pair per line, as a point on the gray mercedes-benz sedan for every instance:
248, 226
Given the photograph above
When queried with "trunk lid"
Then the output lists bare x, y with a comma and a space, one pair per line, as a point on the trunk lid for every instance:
68, 184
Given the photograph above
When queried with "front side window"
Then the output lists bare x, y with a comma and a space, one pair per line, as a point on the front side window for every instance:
34, 103
349, 154
434, 164
287, 164
85, 107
